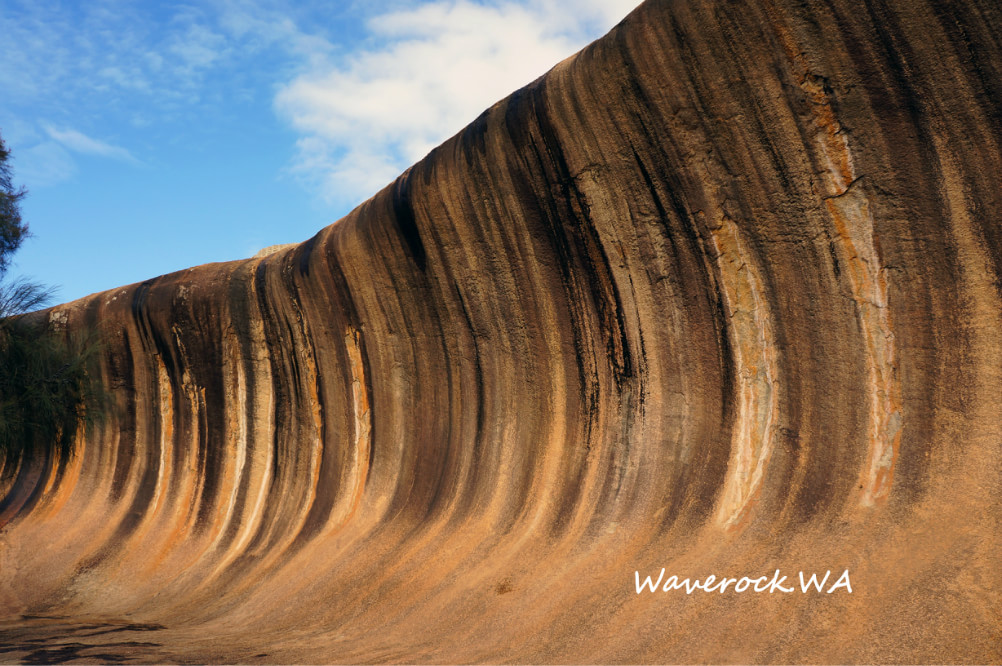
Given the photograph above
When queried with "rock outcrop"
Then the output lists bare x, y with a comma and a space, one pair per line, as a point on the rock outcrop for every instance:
720, 295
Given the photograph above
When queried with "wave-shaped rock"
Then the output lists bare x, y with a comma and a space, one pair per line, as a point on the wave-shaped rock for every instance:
720, 295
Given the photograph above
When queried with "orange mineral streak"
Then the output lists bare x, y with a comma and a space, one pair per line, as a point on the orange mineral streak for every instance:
259, 412
853, 221
59, 493
754, 347
830, 138
849, 208
255, 424
176, 525
359, 464
157, 516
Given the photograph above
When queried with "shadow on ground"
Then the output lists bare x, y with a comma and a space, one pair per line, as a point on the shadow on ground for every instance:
53, 640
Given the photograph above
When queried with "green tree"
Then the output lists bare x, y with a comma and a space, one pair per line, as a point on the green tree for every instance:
18, 296
46, 391
12, 229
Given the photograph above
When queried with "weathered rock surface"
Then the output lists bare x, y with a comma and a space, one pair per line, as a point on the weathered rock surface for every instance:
719, 294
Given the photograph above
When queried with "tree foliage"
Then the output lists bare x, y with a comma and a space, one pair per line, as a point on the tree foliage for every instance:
46, 390
46, 387
12, 229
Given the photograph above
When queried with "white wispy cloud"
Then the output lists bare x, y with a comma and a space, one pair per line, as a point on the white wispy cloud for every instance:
436, 67
364, 106
81, 143
197, 47
44, 164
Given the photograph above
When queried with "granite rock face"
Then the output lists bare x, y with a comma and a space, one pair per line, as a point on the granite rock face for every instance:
720, 294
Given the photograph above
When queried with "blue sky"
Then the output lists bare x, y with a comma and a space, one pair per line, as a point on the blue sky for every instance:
154, 136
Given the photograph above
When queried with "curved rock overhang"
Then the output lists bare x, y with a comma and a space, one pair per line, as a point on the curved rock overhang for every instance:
720, 295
